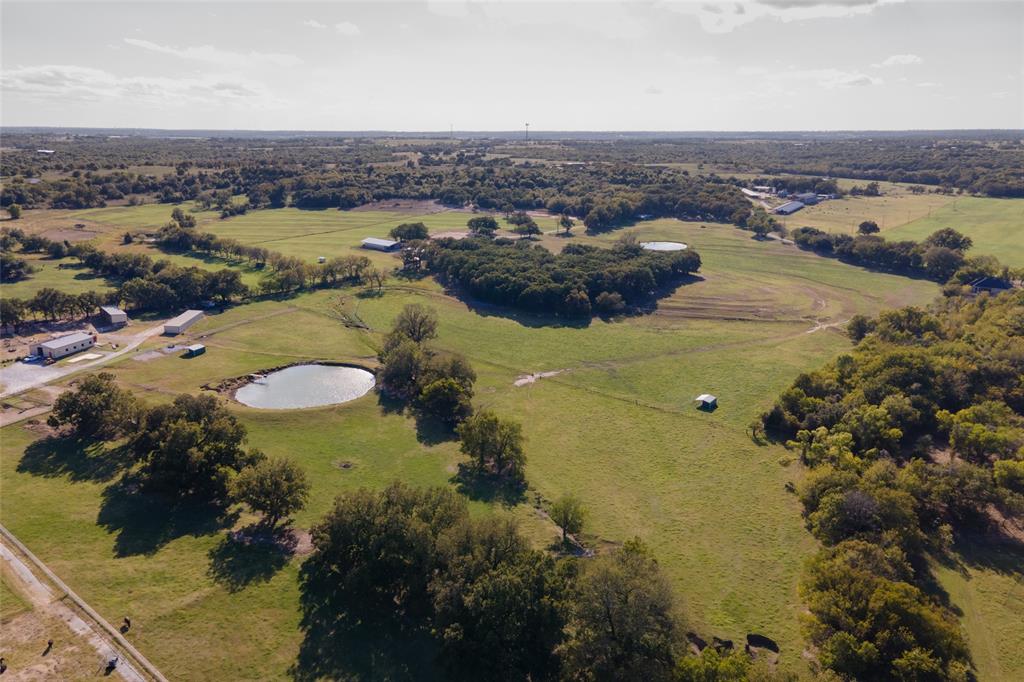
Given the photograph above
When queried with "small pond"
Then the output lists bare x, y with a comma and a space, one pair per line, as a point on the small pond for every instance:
663, 246
306, 386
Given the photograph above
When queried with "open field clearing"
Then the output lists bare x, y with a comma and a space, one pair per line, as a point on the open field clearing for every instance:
995, 225
616, 427
65, 274
897, 206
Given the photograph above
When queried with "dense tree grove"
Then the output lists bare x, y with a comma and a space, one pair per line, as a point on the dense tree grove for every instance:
97, 409
497, 609
193, 447
872, 426
574, 283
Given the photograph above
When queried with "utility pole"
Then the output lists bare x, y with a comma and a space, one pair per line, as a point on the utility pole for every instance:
527, 132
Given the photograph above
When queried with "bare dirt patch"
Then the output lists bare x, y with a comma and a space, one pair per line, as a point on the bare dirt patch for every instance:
413, 206
525, 379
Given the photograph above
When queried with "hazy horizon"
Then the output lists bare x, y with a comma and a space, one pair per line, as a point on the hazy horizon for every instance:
667, 66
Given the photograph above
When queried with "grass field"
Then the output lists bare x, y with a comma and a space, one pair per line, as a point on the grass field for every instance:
897, 206
995, 225
617, 428
65, 274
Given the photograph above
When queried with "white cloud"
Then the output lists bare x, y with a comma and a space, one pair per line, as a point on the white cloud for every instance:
826, 78
213, 55
929, 84
702, 60
85, 83
313, 23
652, 90
347, 28
899, 60
723, 16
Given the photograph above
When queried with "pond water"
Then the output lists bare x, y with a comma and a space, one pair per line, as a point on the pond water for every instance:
663, 246
306, 386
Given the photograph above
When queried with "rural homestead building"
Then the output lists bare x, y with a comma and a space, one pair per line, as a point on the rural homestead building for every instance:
991, 285
808, 198
380, 244
182, 322
113, 316
789, 208
64, 345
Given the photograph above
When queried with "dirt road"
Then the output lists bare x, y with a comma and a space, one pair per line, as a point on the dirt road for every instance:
44, 599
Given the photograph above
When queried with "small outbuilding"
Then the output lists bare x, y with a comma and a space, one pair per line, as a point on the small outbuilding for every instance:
990, 285
63, 346
113, 316
380, 244
789, 208
808, 198
706, 401
177, 325
194, 350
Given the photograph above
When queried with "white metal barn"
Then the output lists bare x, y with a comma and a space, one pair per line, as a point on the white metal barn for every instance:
66, 345
114, 315
380, 244
182, 322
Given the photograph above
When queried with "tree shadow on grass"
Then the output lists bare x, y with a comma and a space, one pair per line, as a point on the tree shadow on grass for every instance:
146, 521
252, 555
79, 460
345, 637
432, 431
486, 487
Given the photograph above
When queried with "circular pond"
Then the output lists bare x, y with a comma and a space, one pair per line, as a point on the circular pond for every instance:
306, 386
663, 246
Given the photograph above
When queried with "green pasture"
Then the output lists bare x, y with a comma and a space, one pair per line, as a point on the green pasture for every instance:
896, 207
986, 585
64, 274
995, 225
616, 427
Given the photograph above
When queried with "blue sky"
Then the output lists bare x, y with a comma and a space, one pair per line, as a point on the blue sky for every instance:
767, 65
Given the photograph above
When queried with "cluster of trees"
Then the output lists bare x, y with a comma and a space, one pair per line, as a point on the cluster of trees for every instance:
795, 184
869, 424
286, 273
574, 283
50, 304
192, 447
439, 384
938, 257
495, 608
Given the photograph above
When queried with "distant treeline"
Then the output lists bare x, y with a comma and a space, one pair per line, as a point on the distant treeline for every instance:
577, 282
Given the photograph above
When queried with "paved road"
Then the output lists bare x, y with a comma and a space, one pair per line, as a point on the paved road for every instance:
44, 599
22, 376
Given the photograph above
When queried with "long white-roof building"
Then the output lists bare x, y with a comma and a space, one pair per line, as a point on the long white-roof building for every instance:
182, 322
65, 345
380, 244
